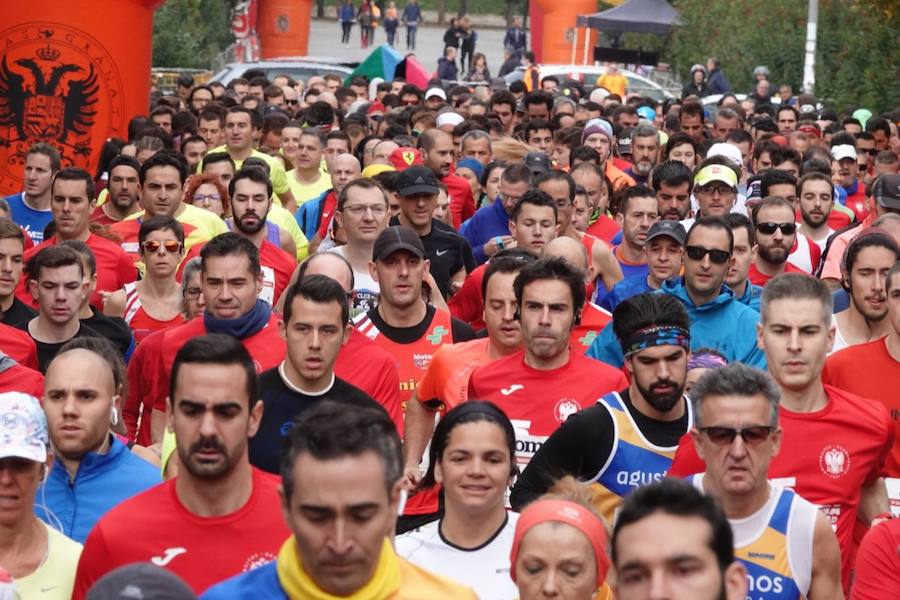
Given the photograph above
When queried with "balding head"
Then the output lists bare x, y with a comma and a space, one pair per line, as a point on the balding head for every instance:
330, 265
344, 168
570, 250
890, 222
328, 97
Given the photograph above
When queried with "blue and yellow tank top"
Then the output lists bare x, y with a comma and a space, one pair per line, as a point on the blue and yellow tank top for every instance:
633, 462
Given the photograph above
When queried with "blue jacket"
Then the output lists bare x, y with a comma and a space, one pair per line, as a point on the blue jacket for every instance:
412, 15
309, 214
724, 324
625, 289
752, 296
102, 482
717, 83
487, 222
261, 583
347, 13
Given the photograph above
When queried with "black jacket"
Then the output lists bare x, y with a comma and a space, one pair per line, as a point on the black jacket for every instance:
447, 70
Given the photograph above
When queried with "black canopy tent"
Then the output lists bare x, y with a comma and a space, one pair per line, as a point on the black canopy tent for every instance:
632, 16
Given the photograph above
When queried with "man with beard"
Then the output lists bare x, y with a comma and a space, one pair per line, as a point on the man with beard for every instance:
629, 437
124, 186
542, 385
773, 220
815, 200
785, 543
867, 261
251, 199
673, 183
644, 151
437, 150
218, 500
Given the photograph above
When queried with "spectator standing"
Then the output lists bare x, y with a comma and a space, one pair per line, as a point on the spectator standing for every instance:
365, 17
412, 16
515, 37
697, 85
391, 22
718, 82
346, 17
452, 35
468, 37
447, 70
479, 68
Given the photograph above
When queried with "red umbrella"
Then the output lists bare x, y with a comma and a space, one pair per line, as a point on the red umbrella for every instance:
412, 71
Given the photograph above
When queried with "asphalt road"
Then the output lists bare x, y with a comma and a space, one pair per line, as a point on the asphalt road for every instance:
325, 37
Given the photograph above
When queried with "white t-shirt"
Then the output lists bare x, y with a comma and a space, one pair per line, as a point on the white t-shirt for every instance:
485, 569
365, 287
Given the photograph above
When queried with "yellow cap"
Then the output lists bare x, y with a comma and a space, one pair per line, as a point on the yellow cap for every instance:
373, 170
711, 173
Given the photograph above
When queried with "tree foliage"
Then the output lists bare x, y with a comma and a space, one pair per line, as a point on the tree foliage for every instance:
857, 56
189, 33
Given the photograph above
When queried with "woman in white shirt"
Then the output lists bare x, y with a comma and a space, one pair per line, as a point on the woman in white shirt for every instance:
472, 456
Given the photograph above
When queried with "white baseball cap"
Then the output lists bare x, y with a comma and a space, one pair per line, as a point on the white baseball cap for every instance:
842, 151
435, 91
727, 150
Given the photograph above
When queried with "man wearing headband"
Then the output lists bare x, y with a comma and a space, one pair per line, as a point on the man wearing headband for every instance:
341, 485
718, 319
629, 437
834, 443
672, 541
40, 560
715, 188
784, 542
542, 386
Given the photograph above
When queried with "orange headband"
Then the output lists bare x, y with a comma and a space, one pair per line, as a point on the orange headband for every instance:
563, 511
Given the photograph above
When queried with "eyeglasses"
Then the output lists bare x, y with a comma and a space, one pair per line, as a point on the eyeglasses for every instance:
716, 189
769, 228
153, 246
205, 197
719, 257
870, 151
724, 436
358, 210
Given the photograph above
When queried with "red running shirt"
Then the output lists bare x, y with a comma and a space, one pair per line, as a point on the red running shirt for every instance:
366, 365
868, 370
827, 457
155, 526
19, 346
878, 563
536, 401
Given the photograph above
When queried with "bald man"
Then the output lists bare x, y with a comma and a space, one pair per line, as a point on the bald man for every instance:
593, 318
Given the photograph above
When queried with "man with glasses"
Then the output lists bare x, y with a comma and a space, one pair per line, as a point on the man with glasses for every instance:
363, 214
715, 188
718, 319
488, 229
786, 545
776, 232
834, 443
628, 437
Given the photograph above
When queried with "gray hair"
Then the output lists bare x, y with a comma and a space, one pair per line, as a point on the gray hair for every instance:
475, 134
724, 112
736, 379
564, 100
645, 130
796, 286
191, 268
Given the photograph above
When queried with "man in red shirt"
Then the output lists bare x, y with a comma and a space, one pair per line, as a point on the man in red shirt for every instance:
123, 191
872, 369
776, 231
541, 386
834, 443
437, 150
71, 202
231, 280
220, 516
878, 563
251, 199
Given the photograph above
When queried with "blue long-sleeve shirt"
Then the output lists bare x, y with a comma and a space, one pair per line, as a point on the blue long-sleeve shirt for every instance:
487, 222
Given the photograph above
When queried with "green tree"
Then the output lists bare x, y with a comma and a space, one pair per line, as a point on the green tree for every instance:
189, 33
857, 57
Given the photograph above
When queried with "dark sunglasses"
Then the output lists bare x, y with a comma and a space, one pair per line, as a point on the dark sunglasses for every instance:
154, 246
769, 228
719, 257
870, 151
724, 436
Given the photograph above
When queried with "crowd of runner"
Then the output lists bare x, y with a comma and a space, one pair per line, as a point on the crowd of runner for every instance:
325, 339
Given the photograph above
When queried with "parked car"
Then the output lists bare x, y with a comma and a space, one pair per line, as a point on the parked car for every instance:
588, 74
297, 67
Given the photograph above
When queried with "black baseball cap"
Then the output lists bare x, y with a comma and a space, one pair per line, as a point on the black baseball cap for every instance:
537, 162
672, 229
417, 179
396, 238
886, 191
140, 580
